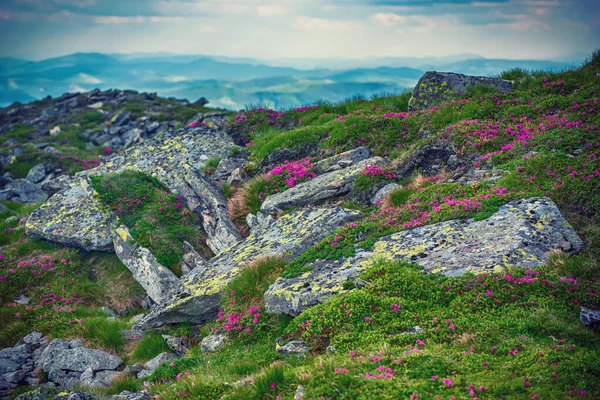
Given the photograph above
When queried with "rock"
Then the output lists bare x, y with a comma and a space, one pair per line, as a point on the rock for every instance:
44, 392
590, 318
55, 131
383, 193
56, 347
522, 233
293, 348
121, 118
56, 185
157, 280
37, 173
7, 365
160, 359
436, 87
177, 344
22, 191
288, 237
73, 218
328, 185
34, 338
212, 343
132, 334
413, 331
125, 395
205, 198
201, 101
227, 166
300, 393
427, 160
191, 260
284, 154
22, 299
80, 358
76, 343
238, 177
343, 160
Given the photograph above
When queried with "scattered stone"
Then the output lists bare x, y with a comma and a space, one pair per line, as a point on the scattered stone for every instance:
325, 186
160, 359
293, 348
428, 160
590, 318
177, 344
55, 131
300, 393
158, 281
413, 331
343, 160
522, 233
288, 237
238, 177
436, 87
22, 191
212, 343
37, 173
132, 335
125, 395
22, 299
383, 193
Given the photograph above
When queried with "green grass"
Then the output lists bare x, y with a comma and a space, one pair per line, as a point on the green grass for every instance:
151, 345
157, 219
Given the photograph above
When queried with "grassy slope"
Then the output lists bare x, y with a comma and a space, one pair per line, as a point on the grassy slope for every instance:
482, 337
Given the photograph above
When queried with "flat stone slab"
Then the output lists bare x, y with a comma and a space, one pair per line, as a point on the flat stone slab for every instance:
522, 233
287, 237
436, 87
325, 186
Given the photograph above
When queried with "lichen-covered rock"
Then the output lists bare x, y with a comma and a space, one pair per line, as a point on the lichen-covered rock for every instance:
343, 160
125, 395
157, 280
522, 233
74, 217
325, 186
288, 237
79, 359
212, 343
293, 348
436, 87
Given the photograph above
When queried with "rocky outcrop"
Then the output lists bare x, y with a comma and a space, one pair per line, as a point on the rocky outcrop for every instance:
325, 186
590, 318
342, 160
74, 217
154, 363
522, 233
157, 280
212, 343
436, 87
287, 237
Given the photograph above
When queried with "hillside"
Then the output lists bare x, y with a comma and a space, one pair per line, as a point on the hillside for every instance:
438, 244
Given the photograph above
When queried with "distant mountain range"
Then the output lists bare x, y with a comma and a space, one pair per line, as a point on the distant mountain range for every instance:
235, 82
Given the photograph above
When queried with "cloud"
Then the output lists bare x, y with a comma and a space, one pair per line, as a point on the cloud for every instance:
270, 10
312, 24
85, 78
389, 19
113, 19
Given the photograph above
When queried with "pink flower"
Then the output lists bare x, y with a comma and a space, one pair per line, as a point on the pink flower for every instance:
448, 382
367, 319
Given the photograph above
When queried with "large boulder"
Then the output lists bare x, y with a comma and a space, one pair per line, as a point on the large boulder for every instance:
325, 186
522, 233
75, 217
157, 280
79, 359
287, 237
436, 87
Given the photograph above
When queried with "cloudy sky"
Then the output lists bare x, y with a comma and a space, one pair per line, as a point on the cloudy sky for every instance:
519, 29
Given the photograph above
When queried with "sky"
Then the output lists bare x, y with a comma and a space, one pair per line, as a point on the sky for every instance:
273, 29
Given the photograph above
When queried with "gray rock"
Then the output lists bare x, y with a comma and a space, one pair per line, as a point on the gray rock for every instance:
293, 348
427, 160
238, 177
7, 365
51, 352
121, 119
212, 343
590, 318
125, 395
79, 359
160, 359
522, 233
383, 193
46, 391
227, 166
158, 281
144, 373
343, 160
413, 331
37, 173
56, 185
436, 87
73, 218
22, 299
325, 186
177, 344
34, 338
133, 335
76, 343
300, 393
22, 191
288, 237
